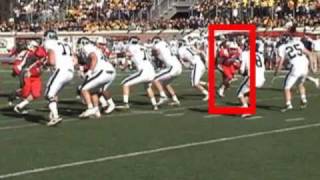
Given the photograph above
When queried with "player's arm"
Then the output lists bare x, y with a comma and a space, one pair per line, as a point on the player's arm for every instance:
128, 57
93, 62
279, 59
279, 66
51, 58
307, 53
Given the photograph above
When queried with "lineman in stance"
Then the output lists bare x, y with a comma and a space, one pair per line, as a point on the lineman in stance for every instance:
98, 77
186, 53
145, 72
173, 69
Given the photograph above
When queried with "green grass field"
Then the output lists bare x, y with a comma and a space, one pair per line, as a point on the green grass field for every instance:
174, 143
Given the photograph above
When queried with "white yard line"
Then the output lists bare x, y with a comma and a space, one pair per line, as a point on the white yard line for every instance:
254, 117
153, 151
295, 119
174, 114
212, 116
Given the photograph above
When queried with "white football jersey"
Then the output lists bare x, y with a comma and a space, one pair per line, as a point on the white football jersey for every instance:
174, 47
165, 54
260, 66
62, 52
187, 54
102, 63
139, 55
292, 51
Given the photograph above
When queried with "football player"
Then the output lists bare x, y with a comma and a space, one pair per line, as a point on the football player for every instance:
229, 65
60, 59
187, 53
295, 52
244, 88
30, 74
98, 77
145, 72
164, 77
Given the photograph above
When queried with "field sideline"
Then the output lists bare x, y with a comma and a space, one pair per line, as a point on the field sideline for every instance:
172, 143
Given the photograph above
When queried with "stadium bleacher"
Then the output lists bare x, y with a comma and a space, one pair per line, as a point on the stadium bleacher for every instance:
89, 15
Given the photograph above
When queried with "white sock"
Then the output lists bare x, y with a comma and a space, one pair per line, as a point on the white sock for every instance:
23, 103
103, 101
303, 98
90, 106
245, 105
162, 94
153, 101
110, 102
126, 99
175, 98
288, 103
54, 109
96, 108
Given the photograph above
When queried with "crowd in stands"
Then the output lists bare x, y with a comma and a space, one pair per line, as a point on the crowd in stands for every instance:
97, 15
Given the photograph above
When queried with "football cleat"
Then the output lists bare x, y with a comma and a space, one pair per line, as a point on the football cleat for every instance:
174, 103
110, 109
155, 108
287, 108
303, 104
20, 111
317, 83
92, 112
54, 121
221, 92
125, 106
246, 115
162, 100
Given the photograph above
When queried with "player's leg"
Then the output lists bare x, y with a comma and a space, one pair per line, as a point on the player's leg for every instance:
107, 94
95, 101
158, 81
90, 90
25, 95
175, 100
53, 86
226, 79
302, 91
242, 91
315, 81
289, 81
148, 87
56, 82
196, 75
129, 81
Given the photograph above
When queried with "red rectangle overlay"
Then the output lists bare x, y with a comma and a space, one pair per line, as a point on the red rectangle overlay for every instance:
213, 108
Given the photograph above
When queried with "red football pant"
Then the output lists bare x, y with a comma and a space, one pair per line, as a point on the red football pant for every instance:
32, 86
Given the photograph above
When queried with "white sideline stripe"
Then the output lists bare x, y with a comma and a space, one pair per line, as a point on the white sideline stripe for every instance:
152, 151
295, 119
173, 115
254, 117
